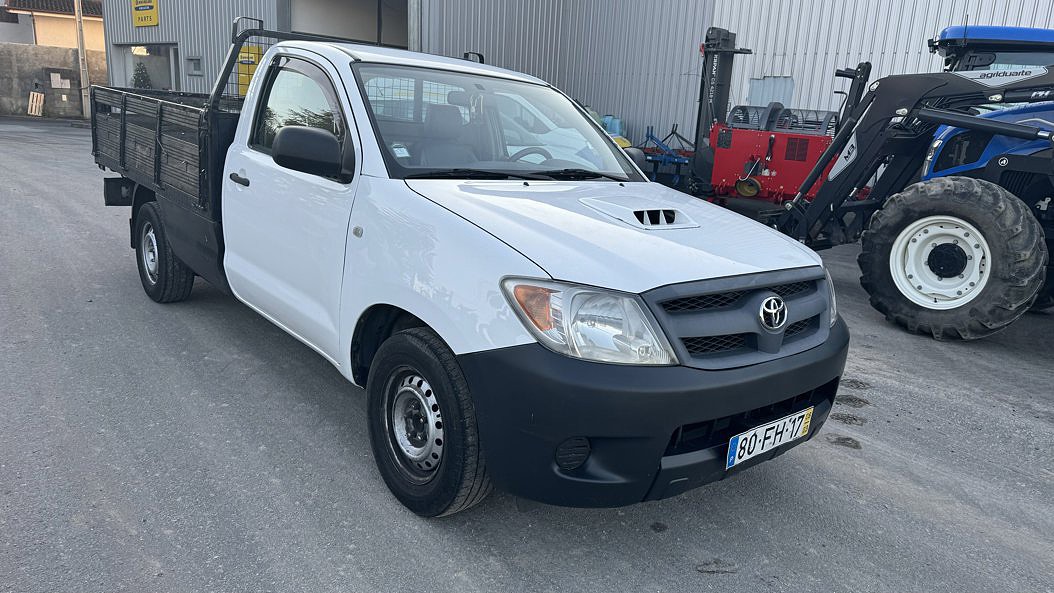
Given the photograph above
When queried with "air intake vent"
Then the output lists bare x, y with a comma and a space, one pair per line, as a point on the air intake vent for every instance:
656, 217
643, 218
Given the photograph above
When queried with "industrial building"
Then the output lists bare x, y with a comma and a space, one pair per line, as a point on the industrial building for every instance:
637, 60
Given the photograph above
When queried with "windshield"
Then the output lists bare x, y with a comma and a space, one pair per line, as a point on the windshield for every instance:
436, 123
1002, 60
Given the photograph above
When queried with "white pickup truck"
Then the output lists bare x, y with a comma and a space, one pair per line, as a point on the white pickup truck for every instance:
522, 306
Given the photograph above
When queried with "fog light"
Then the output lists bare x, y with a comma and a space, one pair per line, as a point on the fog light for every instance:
572, 453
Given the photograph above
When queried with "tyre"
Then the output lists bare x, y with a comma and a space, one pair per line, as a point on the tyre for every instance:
1045, 299
423, 426
954, 257
165, 279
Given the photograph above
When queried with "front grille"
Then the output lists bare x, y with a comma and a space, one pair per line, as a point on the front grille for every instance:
704, 345
704, 302
711, 433
715, 324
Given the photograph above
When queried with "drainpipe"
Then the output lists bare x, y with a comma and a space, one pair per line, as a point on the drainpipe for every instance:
83, 59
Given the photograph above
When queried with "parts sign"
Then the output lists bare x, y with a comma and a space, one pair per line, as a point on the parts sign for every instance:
144, 13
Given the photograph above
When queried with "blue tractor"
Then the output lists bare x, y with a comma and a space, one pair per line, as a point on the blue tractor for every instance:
957, 221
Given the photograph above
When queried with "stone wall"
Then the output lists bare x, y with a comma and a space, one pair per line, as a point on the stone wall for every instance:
25, 68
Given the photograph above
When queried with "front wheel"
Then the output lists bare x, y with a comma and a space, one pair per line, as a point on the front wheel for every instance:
954, 257
423, 426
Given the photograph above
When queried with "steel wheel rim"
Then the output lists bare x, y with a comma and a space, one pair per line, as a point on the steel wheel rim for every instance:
148, 252
414, 425
912, 257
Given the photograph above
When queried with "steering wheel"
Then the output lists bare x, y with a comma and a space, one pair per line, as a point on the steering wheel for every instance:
531, 150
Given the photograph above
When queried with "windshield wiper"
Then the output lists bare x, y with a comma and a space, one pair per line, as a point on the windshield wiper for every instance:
463, 173
579, 174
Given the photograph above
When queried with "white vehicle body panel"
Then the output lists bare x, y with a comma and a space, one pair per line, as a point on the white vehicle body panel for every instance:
548, 222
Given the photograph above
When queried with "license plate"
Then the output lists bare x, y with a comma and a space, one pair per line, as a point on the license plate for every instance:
767, 437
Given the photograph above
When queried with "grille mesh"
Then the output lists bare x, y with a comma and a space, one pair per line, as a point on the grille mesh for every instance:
794, 288
704, 345
704, 302
797, 327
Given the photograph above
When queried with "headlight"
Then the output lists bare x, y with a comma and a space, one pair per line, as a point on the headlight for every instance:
588, 323
832, 304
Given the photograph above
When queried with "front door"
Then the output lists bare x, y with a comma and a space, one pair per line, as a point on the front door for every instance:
285, 230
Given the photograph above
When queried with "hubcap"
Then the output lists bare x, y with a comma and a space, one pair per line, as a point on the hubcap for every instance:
148, 249
940, 262
415, 425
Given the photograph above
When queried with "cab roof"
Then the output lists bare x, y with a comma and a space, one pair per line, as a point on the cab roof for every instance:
997, 35
400, 57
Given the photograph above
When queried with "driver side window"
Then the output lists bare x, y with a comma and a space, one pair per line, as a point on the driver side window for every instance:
297, 93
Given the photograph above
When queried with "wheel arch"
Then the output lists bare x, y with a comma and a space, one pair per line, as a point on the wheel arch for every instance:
375, 325
140, 195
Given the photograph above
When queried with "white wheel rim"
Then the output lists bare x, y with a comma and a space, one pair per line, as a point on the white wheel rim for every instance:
915, 273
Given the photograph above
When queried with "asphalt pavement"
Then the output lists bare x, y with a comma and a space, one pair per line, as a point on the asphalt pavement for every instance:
195, 446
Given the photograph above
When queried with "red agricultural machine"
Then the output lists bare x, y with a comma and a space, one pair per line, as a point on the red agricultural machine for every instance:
758, 152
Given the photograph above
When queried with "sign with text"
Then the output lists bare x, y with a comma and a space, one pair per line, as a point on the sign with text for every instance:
144, 13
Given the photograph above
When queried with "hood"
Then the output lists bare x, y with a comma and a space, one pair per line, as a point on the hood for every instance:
631, 237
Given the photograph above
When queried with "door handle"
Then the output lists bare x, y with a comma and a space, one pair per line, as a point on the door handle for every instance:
239, 179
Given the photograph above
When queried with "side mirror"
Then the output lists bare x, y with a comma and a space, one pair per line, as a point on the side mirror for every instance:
638, 157
309, 150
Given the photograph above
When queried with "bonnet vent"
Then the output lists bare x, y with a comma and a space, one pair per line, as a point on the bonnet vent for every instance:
656, 217
643, 218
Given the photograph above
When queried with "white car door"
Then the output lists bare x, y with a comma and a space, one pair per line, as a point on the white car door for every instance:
285, 230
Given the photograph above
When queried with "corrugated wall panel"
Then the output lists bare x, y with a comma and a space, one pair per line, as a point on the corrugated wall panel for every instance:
809, 40
183, 22
637, 60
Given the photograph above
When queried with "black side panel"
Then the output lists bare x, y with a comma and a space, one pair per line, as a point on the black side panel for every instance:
196, 240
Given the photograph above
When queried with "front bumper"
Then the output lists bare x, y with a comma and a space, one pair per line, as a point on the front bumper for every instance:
654, 432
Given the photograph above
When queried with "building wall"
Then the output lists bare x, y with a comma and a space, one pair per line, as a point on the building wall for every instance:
61, 31
356, 20
808, 41
200, 28
19, 32
25, 68
637, 60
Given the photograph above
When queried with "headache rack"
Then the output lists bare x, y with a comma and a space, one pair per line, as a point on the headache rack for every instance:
175, 143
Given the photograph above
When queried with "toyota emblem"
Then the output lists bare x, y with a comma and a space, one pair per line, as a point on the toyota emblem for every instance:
773, 313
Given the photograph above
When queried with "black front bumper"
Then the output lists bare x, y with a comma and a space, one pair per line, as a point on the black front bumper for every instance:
653, 432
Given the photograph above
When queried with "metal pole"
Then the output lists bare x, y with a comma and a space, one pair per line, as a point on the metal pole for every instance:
83, 59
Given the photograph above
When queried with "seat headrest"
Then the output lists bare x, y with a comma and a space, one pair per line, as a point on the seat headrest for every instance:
443, 121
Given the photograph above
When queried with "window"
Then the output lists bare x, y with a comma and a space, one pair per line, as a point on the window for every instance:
194, 67
298, 93
433, 121
396, 97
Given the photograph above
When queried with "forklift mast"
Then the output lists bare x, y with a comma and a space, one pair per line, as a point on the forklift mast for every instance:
719, 48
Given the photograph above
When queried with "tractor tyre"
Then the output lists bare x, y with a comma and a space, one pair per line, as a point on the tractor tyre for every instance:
954, 257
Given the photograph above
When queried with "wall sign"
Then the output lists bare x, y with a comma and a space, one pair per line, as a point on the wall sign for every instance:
144, 13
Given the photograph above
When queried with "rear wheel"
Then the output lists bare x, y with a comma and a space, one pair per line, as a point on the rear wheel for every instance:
955, 257
165, 279
423, 425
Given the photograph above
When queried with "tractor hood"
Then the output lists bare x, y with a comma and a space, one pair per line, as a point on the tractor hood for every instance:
1040, 115
631, 237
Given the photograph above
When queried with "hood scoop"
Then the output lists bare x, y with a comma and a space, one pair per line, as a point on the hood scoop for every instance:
649, 219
